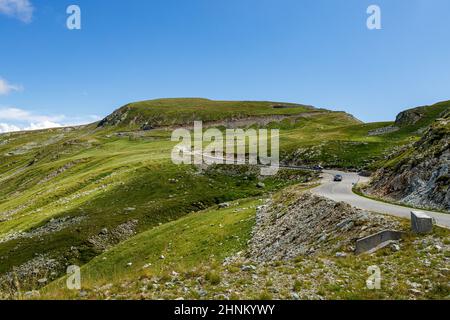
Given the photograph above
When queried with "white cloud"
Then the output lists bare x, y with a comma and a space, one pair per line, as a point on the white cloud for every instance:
15, 119
21, 115
43, 125
20, 9
6, 88
4, 127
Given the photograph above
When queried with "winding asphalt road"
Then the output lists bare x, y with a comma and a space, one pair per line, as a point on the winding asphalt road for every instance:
343, 191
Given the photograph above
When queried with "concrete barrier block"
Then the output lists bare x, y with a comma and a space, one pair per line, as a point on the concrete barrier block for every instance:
421, 223
377, 241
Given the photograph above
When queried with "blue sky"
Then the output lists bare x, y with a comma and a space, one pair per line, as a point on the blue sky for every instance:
316, 52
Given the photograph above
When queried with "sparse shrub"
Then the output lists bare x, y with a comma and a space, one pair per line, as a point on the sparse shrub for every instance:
165, 277
234, 296
297, 286
265, 295
233, 269
307, 270
441, 290
193, 273
278, 264
213, 278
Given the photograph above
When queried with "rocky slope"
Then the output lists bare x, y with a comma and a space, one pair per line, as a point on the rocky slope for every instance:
292, 254
418, 175
409, 117
421, 117
305, 224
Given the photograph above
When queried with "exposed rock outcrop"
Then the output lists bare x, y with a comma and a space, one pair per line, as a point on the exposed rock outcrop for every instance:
37, 272
409, 117
305, 224
384, 130
419, 175
108, 238
54, 225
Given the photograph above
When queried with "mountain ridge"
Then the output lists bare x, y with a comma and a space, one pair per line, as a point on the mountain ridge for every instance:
159, 113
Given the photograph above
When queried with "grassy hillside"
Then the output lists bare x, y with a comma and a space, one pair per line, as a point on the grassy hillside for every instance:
61, 190
176, 112
184, 259
308, 135
204, 237
333, 142
70, 194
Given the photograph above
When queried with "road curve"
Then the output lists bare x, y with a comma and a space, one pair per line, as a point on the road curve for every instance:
343, 191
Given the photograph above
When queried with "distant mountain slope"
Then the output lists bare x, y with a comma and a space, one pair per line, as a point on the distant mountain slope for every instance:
179, 112
339, 144
419, 175
422, 116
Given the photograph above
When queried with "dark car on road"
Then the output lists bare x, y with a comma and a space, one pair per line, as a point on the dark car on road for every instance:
338, 178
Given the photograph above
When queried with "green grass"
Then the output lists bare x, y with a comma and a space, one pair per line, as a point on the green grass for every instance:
151, 194
99, 173
330, 140
101, 181
195, 246
210, 235
397, 269
171, 112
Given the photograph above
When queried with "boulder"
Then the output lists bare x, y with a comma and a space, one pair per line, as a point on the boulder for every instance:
341, 255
